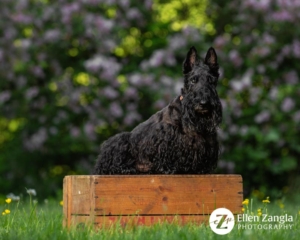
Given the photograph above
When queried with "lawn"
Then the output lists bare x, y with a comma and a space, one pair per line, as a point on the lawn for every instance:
27, 219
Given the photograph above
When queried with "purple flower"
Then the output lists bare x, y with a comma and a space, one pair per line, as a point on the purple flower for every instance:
245, 82
291, 77
10, 33
233, 129
296, 48
108, 66
268, 39
52, 35
259, 5
103, 25
296, 117
95, 64
115, 110
110, 93
148, 4
282, 16
234, 56
254, 94
31, 93
273, 93
67, 11
157, 58
244, 130
38, 71
74, 132
131, 93
136, 79
177, 42
261, 69
167, 81
159, 104
25, 43
70, 8
134, 14
4, 96
220, 41
89, 130
170, 59
261, 51
124, 3
36, 140
287, 104
264, 116
131, 118
21, 18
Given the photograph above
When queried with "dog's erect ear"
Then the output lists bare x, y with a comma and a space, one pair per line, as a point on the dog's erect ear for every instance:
190, 60
211, 59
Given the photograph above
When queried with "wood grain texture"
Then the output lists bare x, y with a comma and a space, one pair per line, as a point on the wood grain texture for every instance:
149, 196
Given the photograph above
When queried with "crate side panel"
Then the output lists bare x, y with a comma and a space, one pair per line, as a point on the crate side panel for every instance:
160, 194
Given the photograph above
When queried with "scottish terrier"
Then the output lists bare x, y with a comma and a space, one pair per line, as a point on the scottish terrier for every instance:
179, 139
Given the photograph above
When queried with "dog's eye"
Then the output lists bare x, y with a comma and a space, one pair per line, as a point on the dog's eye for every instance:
194, 80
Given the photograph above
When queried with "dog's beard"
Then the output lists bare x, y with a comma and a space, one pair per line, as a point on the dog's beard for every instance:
202, 109
203, 118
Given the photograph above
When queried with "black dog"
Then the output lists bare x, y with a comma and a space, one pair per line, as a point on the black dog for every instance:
179, 139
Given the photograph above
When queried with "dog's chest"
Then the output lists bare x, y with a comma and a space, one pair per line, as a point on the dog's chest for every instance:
196, 141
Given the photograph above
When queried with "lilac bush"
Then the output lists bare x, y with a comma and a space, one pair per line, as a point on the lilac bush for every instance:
258, 42
74, 73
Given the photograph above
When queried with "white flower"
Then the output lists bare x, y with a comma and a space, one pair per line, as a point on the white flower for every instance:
31, 192
13, 197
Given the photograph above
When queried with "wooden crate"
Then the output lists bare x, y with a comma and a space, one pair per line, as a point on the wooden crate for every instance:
148, 199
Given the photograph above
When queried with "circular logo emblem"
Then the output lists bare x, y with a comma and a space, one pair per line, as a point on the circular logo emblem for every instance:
221, 221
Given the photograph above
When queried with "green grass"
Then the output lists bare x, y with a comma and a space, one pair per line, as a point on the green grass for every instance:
28, 220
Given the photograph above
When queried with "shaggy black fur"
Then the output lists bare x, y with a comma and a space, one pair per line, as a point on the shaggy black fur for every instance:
179, 139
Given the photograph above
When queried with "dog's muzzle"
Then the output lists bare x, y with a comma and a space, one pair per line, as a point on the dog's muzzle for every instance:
203, 107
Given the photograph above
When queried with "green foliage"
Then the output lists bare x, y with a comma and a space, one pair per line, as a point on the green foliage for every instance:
74, 73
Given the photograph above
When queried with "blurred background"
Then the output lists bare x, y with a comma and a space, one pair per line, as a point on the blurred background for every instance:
73, 73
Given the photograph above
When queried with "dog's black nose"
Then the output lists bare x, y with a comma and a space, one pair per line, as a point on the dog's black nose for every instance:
203, 102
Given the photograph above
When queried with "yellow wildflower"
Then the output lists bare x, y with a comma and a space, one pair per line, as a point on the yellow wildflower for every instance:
61, 203
259, 213
3, 213
8, 200
7, 211
266, 200
245, 202
281, 205
243, 210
